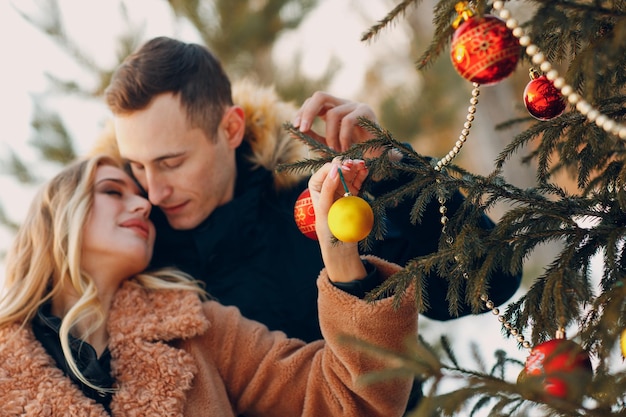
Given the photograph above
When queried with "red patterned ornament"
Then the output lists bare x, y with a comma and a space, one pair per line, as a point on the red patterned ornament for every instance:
562, 368
483, 49
304, 215
541, 98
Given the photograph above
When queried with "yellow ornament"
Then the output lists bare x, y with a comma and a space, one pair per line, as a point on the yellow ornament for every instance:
350, 219
622, 342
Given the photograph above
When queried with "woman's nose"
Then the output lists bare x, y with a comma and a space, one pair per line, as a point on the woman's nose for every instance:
142, 205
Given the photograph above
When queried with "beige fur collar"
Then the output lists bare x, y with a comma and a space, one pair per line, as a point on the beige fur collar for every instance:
31, 384
152, 376
270, 142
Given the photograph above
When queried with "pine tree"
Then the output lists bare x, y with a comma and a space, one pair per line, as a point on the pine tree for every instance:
580, 47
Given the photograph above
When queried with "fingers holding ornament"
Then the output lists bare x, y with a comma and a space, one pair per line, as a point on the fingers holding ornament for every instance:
350, 218
330, 207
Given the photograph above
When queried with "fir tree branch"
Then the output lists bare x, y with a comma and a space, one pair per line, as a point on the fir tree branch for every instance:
397, 12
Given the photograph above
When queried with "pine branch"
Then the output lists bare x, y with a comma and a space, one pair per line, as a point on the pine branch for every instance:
397, 12
588, 38
52, 25
53, 140
444, 14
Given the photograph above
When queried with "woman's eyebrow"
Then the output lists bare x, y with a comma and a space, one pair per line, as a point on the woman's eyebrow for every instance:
112, 179
121, 181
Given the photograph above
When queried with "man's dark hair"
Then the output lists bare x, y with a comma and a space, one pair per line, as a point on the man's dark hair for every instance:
165, 65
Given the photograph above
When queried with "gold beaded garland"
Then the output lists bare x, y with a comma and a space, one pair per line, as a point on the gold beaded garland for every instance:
583, 107
537, 57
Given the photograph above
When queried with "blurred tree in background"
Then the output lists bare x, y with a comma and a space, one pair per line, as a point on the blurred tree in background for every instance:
243, 34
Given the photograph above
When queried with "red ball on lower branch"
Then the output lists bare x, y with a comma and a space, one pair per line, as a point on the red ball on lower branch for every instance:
561, 367
304, 215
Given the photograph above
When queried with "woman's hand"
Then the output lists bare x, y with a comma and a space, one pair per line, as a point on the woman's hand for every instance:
342, 260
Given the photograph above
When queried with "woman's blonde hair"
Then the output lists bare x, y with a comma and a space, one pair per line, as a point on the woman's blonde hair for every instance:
45, 257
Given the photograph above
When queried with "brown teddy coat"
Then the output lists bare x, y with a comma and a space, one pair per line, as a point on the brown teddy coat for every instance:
173, 355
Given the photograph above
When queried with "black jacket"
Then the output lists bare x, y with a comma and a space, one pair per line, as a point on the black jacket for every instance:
250, 253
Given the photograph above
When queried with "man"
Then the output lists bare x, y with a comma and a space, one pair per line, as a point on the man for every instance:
226, 217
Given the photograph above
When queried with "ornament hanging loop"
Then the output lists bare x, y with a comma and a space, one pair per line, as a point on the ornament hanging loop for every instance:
533, 73
343, 182
465, 11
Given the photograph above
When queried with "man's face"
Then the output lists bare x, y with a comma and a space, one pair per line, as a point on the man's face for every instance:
184, 173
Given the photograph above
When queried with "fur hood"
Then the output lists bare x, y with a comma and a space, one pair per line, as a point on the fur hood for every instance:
265, 115
271, 144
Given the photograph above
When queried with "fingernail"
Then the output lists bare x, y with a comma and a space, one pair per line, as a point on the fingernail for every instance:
304, 125
333, 171
296, 121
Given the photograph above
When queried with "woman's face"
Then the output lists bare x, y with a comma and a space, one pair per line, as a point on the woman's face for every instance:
118, 236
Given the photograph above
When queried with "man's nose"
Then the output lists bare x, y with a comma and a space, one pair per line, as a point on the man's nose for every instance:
158, 189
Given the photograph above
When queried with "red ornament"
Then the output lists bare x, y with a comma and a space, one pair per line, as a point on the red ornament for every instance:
562, 367
484, 50
542, 99
304, 215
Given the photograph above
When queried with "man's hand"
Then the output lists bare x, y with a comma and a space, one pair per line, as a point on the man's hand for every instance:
341, 119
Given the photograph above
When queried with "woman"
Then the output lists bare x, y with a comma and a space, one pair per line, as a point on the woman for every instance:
84, 331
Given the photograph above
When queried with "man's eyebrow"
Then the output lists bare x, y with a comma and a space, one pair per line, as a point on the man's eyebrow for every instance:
158, 158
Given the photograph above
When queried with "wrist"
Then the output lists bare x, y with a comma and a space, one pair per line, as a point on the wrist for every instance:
343, 267
360, 288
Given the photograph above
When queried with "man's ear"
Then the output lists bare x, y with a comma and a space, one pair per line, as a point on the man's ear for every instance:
234, 125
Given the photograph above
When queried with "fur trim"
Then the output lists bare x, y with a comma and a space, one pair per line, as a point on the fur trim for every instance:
156, 314
271, 143
265, 115
31, 384
152, 376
